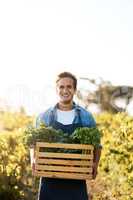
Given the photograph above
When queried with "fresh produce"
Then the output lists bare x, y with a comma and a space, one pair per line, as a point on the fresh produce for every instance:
48, 134
87, 135
42, 134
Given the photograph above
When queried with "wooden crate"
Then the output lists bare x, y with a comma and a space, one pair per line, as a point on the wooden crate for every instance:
63, 165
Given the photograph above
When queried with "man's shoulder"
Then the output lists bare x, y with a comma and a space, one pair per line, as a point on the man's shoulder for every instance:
44, 117
46, 112
86, 116
84, 111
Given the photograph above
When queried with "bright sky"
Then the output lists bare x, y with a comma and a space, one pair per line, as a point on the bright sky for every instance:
41, 38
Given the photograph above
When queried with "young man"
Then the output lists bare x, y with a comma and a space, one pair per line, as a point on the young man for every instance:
68, 116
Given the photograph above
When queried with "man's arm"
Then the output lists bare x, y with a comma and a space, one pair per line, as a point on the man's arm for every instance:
41, 119
89, 121
32, 158
97, 155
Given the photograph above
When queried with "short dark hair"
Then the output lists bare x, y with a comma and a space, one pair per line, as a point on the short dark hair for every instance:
67, 75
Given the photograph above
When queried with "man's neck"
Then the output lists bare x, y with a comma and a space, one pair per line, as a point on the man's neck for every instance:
65, 107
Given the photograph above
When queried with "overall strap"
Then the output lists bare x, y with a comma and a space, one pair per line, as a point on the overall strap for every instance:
79, 117
51, 118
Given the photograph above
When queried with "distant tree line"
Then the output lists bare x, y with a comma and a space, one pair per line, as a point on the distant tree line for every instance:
105, 95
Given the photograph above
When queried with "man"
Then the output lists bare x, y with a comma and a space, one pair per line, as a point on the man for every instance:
67, 116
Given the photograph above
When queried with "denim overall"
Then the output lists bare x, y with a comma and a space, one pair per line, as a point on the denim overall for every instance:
63, 189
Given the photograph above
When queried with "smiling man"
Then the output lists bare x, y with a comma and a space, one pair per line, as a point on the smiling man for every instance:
67, 116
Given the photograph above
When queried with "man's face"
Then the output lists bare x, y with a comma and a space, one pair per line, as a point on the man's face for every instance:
65, 90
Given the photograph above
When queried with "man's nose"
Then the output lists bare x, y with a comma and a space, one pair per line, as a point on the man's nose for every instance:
65, 89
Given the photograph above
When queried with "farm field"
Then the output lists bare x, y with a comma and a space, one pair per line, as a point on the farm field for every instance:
115, 177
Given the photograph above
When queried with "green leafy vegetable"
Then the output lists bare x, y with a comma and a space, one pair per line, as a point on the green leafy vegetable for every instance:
87, 135
83, 135
42, 134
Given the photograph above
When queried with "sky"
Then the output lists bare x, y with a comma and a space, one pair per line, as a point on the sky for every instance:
39, 39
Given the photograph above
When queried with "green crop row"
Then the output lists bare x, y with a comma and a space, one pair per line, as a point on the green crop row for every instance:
115, 177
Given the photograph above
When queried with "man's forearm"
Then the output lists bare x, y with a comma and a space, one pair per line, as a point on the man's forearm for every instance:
32, 155
97, 155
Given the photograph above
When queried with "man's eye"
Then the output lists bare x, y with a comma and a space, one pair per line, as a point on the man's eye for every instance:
62, 87
69, 86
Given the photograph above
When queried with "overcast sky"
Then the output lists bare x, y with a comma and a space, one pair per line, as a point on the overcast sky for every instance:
91, 38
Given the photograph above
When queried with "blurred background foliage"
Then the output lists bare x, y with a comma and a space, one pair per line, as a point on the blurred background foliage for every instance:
115, 177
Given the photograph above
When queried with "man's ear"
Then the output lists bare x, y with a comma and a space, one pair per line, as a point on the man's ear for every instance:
75, 92
56, 90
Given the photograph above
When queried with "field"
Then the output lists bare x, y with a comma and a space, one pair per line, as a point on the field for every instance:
115, 177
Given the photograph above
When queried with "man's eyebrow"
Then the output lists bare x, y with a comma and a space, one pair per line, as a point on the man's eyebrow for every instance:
65, 85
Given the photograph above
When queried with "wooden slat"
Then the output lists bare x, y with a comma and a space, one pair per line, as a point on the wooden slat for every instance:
64, 165
64, 175
36, 152
65, 155
65, 146
65, 169
65, 162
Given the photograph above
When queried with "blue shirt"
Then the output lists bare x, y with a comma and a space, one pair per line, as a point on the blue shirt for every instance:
86, 117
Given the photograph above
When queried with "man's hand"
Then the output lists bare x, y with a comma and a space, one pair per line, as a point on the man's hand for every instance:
32, 159
33, 167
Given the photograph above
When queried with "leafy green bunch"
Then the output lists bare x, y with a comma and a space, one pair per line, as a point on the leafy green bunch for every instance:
42, 134
87, 135
83, 135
